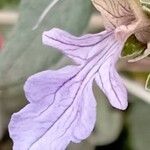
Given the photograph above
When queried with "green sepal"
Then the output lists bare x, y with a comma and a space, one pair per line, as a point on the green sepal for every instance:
132, 47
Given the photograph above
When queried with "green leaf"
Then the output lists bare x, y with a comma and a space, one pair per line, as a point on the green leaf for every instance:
139, 125
147, 85
132, 47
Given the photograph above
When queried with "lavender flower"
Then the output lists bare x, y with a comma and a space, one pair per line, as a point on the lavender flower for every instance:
62, 107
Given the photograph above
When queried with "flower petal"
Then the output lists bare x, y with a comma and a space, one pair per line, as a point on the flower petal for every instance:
109, 81
62, 114
80, 49
62, 106
114, 12
44, 82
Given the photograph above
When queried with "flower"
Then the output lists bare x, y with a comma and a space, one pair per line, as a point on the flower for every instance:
62, 107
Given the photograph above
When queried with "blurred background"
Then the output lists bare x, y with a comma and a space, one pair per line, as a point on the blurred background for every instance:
22, 54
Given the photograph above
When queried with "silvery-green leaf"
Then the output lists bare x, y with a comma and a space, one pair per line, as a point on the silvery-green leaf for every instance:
139, 125
24, 53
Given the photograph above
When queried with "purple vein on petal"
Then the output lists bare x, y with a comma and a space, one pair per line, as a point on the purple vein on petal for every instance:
78, 49
63, 103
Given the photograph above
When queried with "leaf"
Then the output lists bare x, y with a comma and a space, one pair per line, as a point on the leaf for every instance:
138, 125
132, 47
147, 85
24, 53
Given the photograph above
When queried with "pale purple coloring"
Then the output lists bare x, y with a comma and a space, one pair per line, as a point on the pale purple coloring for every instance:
62, 107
